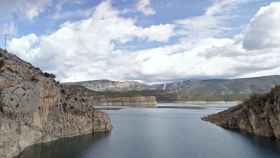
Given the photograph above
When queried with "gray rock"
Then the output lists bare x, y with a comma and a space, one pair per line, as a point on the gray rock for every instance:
33, 108
259, 115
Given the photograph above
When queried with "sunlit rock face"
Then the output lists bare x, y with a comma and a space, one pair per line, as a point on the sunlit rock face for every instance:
34, 108
259, 115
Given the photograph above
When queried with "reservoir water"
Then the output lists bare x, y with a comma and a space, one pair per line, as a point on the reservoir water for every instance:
160, 133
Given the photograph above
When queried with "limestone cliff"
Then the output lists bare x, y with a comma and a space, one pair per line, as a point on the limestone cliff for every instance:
259, 115
94, 98
34, 108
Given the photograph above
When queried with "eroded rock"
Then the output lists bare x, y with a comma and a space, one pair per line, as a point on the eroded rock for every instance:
259, 115
34, 109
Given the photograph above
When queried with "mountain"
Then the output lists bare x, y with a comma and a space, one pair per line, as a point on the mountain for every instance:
190, 90
35, 108
113, 86
259, 115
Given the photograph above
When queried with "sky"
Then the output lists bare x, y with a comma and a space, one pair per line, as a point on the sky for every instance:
145, 40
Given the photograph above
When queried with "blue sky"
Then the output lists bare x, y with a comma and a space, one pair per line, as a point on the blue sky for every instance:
148, 40
167, 11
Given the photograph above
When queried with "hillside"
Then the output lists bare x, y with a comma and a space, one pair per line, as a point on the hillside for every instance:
105, 98
190, 90
113, 86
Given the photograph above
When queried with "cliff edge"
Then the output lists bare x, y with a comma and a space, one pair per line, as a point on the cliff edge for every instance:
35, 109
259, 115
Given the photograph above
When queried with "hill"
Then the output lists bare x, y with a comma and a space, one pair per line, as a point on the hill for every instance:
189, 90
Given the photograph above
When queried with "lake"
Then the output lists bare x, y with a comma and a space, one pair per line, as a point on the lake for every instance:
160, 133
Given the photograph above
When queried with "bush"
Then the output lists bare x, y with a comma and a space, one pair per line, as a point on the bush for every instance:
49, 75
2, 63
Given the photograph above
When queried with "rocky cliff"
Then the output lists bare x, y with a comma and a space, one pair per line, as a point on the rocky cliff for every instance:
259, 115
35, 109
108, 98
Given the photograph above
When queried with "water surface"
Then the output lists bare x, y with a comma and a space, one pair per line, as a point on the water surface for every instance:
160, 133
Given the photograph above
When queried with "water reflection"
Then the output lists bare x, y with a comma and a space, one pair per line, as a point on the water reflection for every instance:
160, 133
63, 148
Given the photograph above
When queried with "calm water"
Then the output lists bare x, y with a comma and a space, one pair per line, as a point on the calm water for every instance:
160, 133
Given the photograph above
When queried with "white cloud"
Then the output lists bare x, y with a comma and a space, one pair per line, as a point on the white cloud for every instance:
24, 46
32, 8
264, 29
28, 8
86, 49
204, 54
221, 6
213, 23
61, 13
72, 14
160, 33
144, 6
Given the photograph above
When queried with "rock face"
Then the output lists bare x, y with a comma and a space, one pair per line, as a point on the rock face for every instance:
94, 98
259, 115
34, 108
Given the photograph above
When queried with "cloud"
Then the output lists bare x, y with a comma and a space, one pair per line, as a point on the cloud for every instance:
214, 22
33, 8
264, 29
86, 49
61, 13
221, 6
24, 45
144, 6
72, 14
89, 49
28, 8
208, 55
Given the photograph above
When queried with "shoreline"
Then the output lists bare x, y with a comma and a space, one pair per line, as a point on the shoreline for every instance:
178, 105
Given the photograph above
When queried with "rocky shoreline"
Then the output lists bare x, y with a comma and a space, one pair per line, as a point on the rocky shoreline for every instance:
259, 115
34, 108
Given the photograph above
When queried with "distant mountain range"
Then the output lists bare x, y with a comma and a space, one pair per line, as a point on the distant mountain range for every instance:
189, 90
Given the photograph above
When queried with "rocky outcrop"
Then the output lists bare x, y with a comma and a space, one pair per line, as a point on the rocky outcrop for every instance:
259, 115
93, 98
35, 109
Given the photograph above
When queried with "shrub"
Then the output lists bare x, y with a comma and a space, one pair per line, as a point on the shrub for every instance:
2, 63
